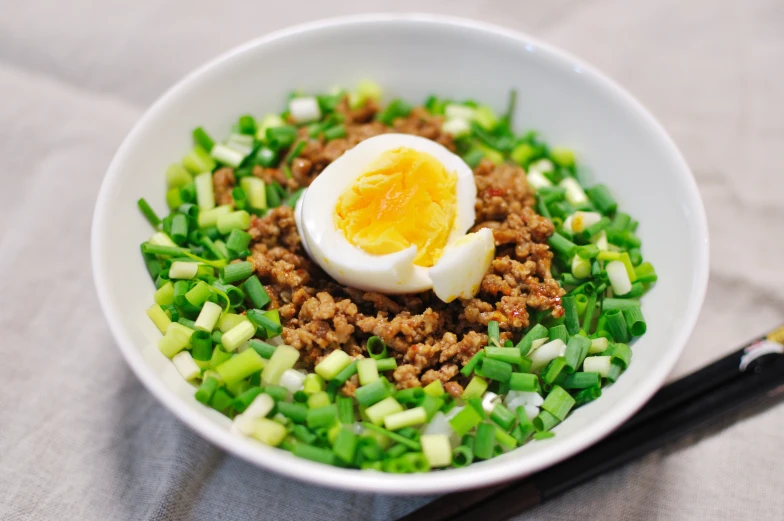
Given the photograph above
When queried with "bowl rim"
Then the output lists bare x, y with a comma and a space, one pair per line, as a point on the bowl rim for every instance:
450, 480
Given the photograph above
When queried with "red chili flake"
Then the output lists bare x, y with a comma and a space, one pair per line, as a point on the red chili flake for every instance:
494, 192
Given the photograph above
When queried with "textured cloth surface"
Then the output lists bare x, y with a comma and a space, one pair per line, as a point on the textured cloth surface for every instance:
79, 436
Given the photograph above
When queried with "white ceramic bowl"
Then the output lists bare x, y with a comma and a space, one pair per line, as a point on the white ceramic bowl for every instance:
411, 56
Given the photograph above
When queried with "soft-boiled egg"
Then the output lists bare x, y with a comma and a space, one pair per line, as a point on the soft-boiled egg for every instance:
391, 215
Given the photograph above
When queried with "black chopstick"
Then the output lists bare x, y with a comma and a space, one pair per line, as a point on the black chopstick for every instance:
677, 409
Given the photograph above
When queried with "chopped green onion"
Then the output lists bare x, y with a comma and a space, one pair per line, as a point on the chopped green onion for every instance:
485, 441
376, 348
562, 245
313, 453
291, 200
148, 212
505, 354
494, 369
202, 139
645, 273
345, 407
367, 371
469, 367
296, 412
609, 304
587, 395
386, 364
407, 418
282, 359
198, 160
256, 292
537, 332
372, 393
332, 364
240, 366
635, 322
616, 325
502, 416
261, 320
236, 272
524, 382
545, 421
234, 220
201, 343
206, 390
322, 417
264, 349
386, 407
554, 369
475, 388
465, 420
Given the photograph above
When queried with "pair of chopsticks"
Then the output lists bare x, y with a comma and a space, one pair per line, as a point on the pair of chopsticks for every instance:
749, 374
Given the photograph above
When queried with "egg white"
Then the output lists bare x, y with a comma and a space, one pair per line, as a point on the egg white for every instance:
349, 264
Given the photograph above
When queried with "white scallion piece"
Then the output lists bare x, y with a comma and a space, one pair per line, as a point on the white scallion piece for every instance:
259, 407
184, 363
581, 268
243, 140
205, 195
541, 166
536, 344
161, 239
451, 414
489, 401
456, 127
292, 380
600, 240
574, 192
437, 449
582, 220
619, 278
184, 270
567, 224
537, 179
305, 109
227, 155
549, 351
455, 111
598, 364
598, 345
524, 397
208, 317
243, 425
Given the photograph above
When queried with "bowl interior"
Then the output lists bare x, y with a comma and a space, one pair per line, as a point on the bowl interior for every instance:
413, 56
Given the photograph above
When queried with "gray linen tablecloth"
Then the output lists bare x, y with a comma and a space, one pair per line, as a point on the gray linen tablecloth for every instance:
79, 436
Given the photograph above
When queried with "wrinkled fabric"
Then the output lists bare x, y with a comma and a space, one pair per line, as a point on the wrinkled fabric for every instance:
80, 438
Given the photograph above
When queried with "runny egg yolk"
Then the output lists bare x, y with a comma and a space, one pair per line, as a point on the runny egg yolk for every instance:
406, 197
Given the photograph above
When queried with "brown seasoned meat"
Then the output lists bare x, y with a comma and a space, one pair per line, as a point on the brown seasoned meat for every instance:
222, 184
429, 339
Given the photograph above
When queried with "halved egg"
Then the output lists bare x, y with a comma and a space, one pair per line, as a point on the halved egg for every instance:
390, 211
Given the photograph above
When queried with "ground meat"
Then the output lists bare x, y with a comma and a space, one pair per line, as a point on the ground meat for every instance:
406, 376
222, 184
454, 389
429, 339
